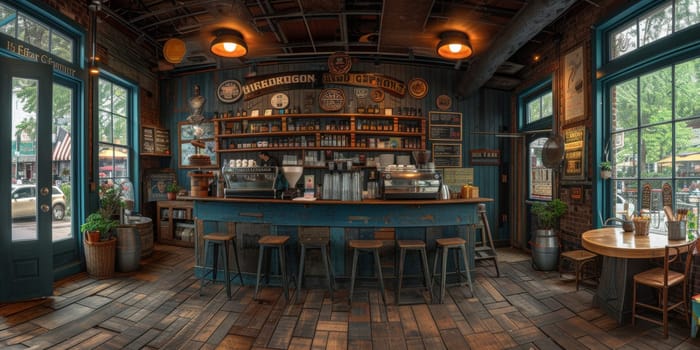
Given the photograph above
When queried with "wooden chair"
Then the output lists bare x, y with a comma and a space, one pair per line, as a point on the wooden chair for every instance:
662, 279
579, 259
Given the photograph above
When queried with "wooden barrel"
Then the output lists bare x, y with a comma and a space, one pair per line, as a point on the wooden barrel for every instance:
144, 228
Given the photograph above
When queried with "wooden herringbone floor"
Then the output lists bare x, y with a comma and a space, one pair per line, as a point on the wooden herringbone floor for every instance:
160, 308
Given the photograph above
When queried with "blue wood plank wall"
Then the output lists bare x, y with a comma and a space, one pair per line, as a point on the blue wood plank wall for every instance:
488, 111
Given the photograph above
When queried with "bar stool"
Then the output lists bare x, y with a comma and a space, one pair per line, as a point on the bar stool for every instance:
315, 238
486, 250
405, 245
579, 258
216, 240
443, 247
366, 246
271, 242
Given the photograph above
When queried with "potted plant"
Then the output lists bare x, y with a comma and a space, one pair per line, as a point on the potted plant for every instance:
545, 241
172, 190
97, 228
100, 255
605, 170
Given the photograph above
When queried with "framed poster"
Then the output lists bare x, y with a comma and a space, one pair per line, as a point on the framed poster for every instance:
574, 86
186, 132
445, 126
447, 155
575, 153
156, 183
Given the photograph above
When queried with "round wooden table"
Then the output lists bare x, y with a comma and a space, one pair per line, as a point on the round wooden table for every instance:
614, 242
624, 255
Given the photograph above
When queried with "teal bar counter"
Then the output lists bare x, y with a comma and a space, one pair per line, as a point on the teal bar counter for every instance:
387, 220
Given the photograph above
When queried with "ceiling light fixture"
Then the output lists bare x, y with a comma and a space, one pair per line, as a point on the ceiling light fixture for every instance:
454, 45
228, 43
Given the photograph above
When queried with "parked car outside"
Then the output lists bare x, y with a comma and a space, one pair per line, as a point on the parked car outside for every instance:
24, 202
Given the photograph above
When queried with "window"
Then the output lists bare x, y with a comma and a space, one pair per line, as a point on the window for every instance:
652, 115
35, 33
539, 108
536, 112
113, 131
650, 26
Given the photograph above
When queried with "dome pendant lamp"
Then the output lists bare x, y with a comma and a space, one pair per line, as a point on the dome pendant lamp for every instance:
229, 44
454, 45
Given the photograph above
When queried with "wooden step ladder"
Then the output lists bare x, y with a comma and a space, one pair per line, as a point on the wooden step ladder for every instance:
484, 250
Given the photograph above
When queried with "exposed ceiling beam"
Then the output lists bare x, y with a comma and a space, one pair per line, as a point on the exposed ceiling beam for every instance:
534, 17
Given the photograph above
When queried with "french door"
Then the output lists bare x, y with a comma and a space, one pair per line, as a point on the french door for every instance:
26, 193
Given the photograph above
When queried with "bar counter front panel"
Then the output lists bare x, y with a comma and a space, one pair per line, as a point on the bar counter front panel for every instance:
347, 220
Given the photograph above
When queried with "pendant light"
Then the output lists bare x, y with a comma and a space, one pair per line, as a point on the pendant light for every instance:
454, 45
228, 43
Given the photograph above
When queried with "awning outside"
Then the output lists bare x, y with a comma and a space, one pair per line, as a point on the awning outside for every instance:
689, 157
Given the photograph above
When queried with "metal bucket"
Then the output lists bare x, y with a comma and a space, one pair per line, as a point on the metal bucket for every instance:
545, 250
128, 249
144, 226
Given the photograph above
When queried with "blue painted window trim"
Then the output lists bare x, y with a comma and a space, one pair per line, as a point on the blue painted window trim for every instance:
536, 91
674, 48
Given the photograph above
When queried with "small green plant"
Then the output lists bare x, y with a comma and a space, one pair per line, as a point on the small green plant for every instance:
97, 222
605, 166
549, 213
172, 188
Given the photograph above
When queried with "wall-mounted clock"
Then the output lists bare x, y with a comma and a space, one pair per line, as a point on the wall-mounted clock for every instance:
279, 100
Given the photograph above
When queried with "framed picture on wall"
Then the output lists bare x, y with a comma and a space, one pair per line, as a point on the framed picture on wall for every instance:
185, 138
156, 183
574, 86
575, 153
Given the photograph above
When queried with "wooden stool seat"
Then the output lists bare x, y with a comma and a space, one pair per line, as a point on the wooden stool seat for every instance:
272, 242
405, 245
369, 244
219, 236
579, 258
450, 242
366, 246
411, 244
217, 239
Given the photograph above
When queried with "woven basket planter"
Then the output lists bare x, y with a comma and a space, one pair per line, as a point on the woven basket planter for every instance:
100, 257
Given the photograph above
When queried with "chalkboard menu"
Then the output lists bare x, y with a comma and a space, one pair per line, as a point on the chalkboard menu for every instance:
445, 126
447, 155
155, 141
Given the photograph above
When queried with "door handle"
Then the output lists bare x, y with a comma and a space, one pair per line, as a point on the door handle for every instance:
45, 208
44, 191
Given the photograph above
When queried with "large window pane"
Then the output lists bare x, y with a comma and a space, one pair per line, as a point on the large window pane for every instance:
655, 97
624, 102
540, 176
687, 13
687, 149
33, 32
687, 89
113, 132
656, 145
656, 25
625, 154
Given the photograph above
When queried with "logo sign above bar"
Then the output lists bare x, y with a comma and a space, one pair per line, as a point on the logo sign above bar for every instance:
391, 85
259, 86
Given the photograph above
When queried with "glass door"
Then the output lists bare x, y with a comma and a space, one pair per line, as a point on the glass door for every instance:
540, 179
26, 193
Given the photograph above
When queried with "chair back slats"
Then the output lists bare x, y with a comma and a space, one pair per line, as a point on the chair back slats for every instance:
674, 252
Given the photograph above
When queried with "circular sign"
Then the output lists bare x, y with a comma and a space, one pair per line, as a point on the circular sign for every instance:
229, 91
339, 63
279, 100
443, 102
331, 100
418, 88
377, 95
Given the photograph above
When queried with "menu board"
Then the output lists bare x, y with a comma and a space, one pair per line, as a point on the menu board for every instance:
155, 141
446, 126
447, 155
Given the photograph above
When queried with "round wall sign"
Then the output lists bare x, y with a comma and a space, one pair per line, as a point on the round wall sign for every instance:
443, 102
418, 88
229, 91
279, 100
377, 95
339, 63
331, 100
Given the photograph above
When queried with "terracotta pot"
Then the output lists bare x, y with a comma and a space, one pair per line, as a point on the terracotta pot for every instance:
172, 196
92, 236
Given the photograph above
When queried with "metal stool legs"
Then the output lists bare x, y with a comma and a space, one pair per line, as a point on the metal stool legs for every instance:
278, 242
369, 247
442, 251
424, 267
330, 276
215, 240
